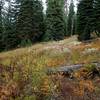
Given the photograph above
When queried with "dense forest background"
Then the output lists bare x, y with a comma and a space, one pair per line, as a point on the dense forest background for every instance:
23, 22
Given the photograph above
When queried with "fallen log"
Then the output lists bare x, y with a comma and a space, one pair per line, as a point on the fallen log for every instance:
69, 68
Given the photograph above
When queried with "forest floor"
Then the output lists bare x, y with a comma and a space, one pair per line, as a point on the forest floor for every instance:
23, 71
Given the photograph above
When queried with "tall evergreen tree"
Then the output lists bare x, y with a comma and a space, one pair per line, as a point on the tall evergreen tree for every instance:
0, 16
70, 21
97, 16
85, 19
9, 34
38, 20
66, 15
25, 20
55, 23
1, 25
74, 28
30, 20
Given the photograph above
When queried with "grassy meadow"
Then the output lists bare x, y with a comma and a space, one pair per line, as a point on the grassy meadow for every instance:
23, 71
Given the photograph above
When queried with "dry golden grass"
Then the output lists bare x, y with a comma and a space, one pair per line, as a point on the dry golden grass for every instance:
29, 64
56, 53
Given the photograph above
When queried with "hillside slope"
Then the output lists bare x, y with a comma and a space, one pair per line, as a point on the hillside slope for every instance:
63, 52
23, 71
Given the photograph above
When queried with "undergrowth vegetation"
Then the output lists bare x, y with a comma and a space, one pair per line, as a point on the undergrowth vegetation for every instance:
23, 71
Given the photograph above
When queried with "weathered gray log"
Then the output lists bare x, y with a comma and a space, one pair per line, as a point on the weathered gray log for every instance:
69, 68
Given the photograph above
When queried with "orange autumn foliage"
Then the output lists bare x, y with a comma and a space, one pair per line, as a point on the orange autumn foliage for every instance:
55, 62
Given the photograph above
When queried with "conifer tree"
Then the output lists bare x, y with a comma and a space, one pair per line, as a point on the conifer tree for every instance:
70, 21
1, 25
74, 28
0, 16
30, 20
97, 16
25, 20
9, 36
38, 20
55, 23
85, 19
66, 15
